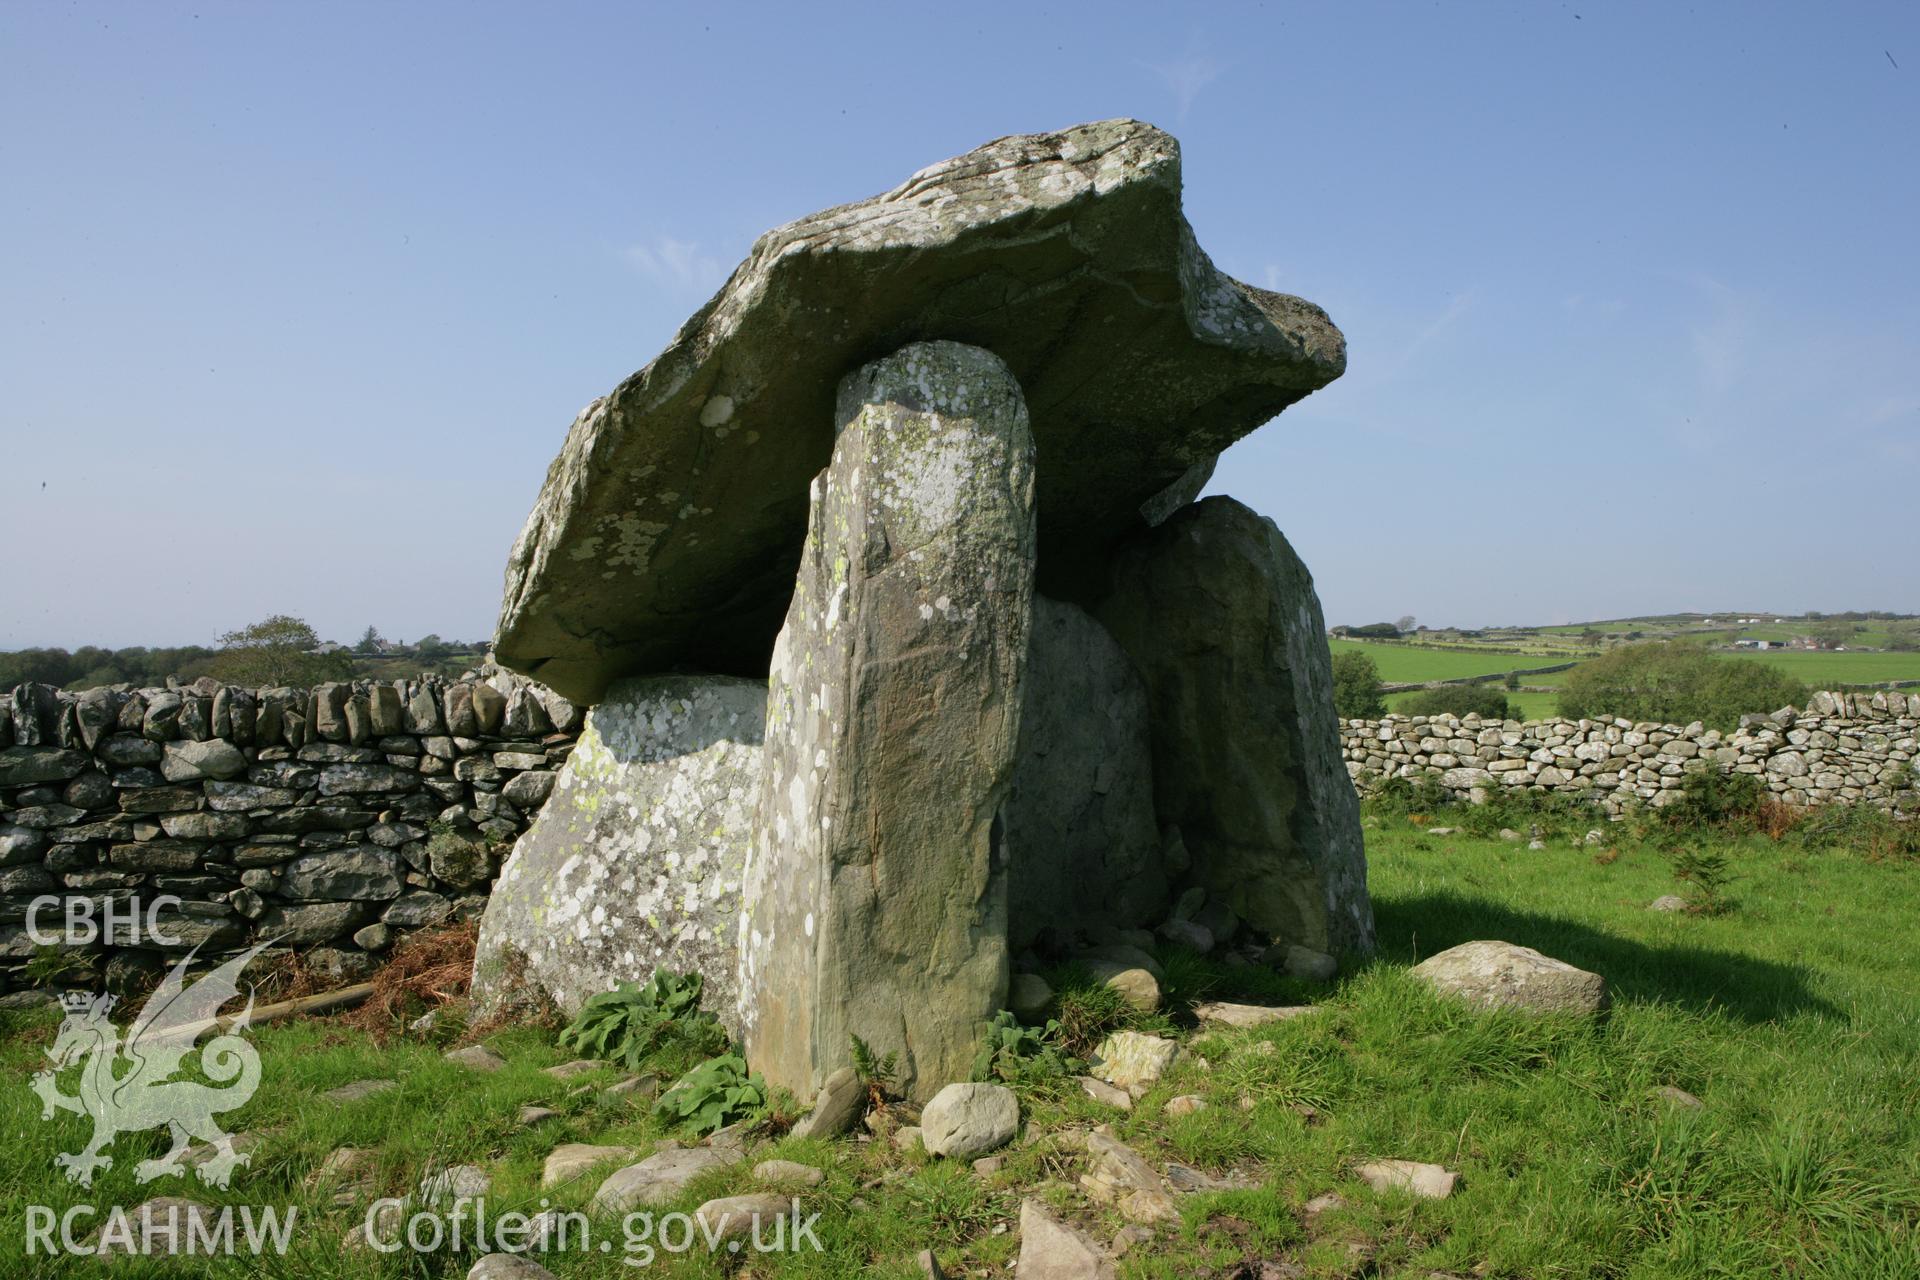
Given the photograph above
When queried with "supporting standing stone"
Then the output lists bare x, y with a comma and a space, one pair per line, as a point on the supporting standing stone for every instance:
876, 893
1221, 618
636, 859
1081, 835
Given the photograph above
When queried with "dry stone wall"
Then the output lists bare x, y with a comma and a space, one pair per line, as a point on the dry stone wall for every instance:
330, 819
1843, 747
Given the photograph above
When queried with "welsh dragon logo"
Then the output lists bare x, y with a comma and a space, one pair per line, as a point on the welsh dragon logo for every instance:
127, 1087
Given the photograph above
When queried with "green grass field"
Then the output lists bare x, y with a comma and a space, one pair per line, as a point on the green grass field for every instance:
1403, 664
1822, 670
1795, 1019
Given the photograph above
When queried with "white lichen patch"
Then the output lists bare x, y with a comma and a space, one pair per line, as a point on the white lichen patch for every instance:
636, 861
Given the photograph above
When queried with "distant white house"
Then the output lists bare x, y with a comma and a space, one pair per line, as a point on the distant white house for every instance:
330, 647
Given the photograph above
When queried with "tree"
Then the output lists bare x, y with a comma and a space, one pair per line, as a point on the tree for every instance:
1676, 684
431, 646
1405, 623
1484, 700
369, 641
1356, 687
277, 651
44, 666
1831, 635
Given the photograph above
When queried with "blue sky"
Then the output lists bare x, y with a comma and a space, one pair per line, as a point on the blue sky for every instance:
297, 302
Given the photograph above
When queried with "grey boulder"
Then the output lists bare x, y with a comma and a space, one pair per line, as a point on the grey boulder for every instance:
1501, 975
966, 1120
659, 1178
1222, 621
635, 861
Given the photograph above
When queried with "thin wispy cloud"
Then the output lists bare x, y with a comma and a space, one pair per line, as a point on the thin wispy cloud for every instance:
1896, 408
1187, 75
1720, 341
1604, 308
1456, 309
677, 265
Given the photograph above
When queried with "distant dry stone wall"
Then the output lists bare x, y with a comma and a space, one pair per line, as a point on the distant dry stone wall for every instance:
1842, 747
328, 820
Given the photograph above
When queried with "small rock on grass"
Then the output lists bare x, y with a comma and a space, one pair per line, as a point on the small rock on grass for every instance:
455, 1184
1134, 1060
1303, 963
358, 1090
532, 1117
244, 1143
1668, 902
1100, 1091
1186, 1179
906, 1136
568, 1070
733, 1137
342, 1164
1135, 983
637, 1088
658, 1178
1029, 997
739, 1217
570, 1160
788, 1171
1229, 1014
1052, 1250
1677, 1096
508, 1266
1185, 1105
1427, 1181
1120, 1176
834, 1107
1190, 934
1501, 975
1322, 1204
965, 1120
476, 1057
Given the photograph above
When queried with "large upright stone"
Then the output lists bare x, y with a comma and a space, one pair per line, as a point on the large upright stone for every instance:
1221, 619
876, 893
669, 527
1081, 835
635, 861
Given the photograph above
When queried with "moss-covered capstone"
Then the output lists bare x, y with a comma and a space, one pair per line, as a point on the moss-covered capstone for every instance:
668, 530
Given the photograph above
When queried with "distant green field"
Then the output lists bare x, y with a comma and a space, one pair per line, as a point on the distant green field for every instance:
1535, 706
1400, 664
1819, 670
1526, 706
1823, 669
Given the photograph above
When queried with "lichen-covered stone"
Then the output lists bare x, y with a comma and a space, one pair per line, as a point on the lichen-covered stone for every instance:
1503, 975
876, 896
1081, 835
1221, 619
669, 526
635, 862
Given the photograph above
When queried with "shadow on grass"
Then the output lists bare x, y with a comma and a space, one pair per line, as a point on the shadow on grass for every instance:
1694, 978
